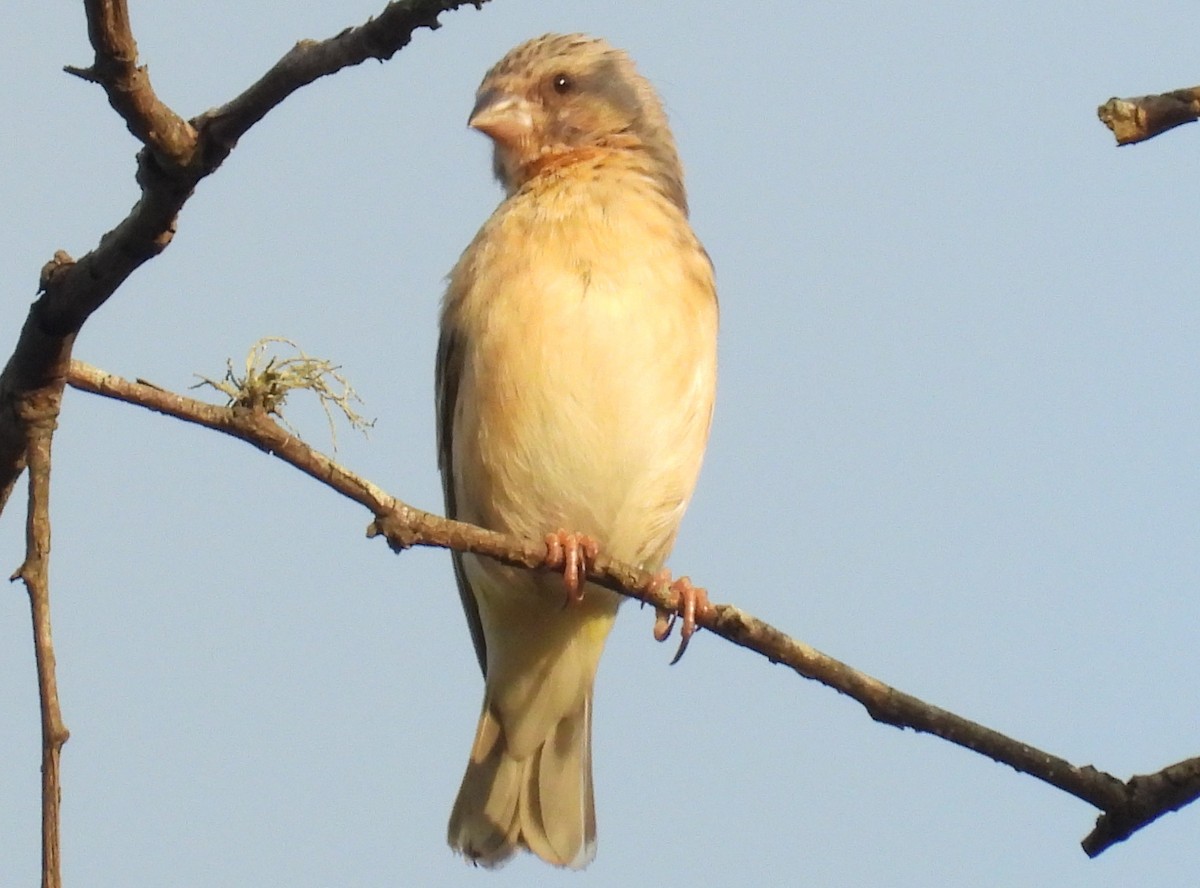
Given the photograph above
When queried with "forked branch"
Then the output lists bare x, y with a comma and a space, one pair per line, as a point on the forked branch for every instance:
177, 155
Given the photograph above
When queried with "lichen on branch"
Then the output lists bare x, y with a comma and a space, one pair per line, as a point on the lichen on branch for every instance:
269, 379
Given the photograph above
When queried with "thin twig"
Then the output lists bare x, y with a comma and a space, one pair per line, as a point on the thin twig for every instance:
35, 573
380, 37
403, 527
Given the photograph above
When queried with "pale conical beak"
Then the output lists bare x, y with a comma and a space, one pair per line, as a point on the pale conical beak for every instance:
502, 116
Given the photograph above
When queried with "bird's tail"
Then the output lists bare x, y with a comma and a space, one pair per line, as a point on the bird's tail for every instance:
541, 801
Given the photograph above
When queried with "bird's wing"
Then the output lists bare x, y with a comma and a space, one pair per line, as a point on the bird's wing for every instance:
448, 373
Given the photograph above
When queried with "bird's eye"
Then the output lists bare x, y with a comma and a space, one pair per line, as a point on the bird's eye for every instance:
562, 84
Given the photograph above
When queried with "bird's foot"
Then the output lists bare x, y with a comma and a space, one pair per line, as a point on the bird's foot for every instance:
693, 602
573, 554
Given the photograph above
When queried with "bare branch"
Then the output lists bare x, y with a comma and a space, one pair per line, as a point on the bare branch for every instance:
40, 421
177, 157
128, 86
378, 38
1144, 117
1147, 797
1131, 804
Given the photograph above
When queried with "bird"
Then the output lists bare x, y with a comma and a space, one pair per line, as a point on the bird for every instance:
576, 375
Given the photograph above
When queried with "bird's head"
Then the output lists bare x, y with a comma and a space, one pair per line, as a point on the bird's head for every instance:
559, 95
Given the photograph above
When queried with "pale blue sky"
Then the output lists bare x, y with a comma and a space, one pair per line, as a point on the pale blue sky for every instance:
956, 445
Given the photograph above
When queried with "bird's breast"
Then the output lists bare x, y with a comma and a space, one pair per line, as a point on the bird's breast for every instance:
587, 385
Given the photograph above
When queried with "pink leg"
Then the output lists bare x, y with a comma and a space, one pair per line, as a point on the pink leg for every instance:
693, 601
573, 554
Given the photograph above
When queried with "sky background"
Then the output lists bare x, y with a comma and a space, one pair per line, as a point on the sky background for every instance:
956, 445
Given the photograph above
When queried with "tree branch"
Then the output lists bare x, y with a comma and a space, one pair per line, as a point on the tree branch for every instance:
177, 155
116, 69
1147, 797
1144, 117
1127, 806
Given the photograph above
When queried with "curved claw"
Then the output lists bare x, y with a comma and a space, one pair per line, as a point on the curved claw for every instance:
574, 554
664, 622
693, 602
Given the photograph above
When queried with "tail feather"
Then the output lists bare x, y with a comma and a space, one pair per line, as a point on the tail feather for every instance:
543, 802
